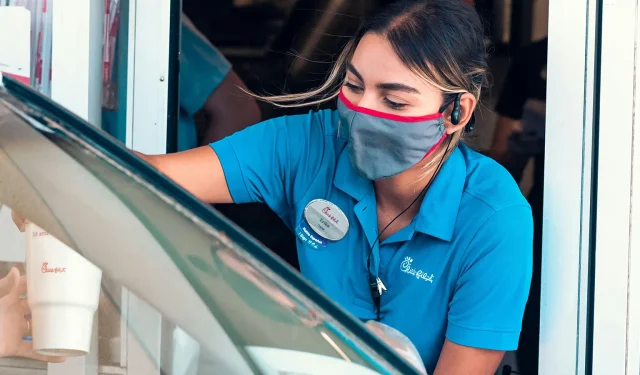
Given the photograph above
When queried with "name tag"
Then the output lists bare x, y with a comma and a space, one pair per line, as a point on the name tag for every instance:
306, 235
322, 222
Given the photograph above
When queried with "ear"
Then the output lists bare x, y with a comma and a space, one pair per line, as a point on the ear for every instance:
467, 106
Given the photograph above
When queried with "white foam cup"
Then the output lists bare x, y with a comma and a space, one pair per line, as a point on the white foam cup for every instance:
63, 289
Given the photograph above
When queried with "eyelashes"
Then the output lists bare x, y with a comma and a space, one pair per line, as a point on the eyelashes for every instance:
394, 105
389, 103
353, 88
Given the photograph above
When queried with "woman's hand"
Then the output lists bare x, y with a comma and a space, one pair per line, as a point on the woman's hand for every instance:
19, 221
13, 319
398, 342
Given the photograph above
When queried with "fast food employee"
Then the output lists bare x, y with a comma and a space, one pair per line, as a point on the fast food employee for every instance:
397, 220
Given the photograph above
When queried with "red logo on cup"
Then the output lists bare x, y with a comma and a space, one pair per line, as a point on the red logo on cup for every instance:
45, 269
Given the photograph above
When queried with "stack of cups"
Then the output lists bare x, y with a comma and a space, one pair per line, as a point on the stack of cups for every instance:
63, 290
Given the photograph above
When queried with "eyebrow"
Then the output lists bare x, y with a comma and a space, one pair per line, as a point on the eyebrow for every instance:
385, 86
355, 72
397, 87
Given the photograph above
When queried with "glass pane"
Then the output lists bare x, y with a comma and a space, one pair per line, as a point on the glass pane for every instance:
37, 70
39, 43
114, 71
218, 297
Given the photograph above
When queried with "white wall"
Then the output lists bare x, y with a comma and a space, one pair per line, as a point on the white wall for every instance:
12, 242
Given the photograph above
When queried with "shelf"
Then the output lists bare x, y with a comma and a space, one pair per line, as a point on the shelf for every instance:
22, 363
112, 370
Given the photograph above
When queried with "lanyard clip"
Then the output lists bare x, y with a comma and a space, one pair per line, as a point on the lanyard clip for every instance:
377, 290
381, 288
376, 286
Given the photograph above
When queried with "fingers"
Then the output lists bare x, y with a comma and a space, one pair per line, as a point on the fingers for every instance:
23, 307
23, 303
8, 283
21, 287
18, 221
25, 326
5, 285
18, 284
15, 287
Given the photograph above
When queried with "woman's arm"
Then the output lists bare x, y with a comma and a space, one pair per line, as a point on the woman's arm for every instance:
485, 312
273, 162
462, 360
198, 171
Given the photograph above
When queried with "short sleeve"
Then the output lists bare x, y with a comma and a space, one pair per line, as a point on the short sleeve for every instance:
202, 68
493, 286
275, 161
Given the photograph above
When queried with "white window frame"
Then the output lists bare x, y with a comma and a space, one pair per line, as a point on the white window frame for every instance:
616, 300
567, 189
590, 318
148, 75
147, 107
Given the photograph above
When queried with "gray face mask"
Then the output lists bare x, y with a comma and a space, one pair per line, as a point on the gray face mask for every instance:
382, 145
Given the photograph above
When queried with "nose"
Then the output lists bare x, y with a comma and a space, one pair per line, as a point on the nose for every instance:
366, 100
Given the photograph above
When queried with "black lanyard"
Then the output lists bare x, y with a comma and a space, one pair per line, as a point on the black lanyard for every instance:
376, 286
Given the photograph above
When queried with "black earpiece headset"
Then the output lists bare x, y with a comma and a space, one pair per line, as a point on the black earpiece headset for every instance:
456, 113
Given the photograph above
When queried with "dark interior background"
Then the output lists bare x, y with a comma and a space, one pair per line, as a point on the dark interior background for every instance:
280, 46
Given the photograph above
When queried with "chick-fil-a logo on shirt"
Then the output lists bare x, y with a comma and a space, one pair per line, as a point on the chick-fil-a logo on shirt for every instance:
405, 266
326, 211
45, 269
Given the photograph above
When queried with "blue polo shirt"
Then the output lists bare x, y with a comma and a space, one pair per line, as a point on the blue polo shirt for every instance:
461, 269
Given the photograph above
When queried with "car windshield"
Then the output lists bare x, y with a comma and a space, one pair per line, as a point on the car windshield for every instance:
183, 290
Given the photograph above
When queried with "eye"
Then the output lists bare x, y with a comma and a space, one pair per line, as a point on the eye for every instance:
353, 88
394, 105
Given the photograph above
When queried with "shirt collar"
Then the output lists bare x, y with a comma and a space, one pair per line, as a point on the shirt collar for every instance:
349, 181
439, 209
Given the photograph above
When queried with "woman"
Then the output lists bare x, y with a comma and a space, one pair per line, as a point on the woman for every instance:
396, 220
14, 320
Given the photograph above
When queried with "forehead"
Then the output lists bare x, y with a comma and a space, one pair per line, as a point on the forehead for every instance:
377, 62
